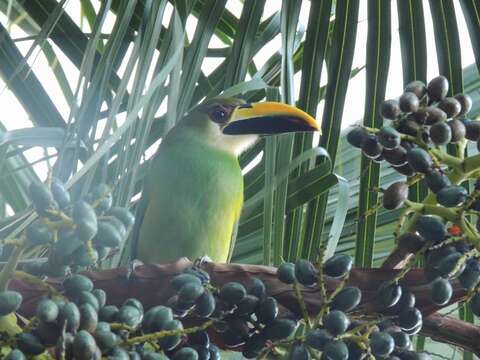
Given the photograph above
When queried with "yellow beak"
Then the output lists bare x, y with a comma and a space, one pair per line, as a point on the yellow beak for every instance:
268, 118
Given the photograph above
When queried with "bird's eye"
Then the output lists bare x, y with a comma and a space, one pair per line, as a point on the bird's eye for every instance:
218, 115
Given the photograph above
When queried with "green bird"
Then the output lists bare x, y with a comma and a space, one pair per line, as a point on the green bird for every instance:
193, 192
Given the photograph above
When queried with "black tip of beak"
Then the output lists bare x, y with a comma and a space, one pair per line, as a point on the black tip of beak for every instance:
269, 125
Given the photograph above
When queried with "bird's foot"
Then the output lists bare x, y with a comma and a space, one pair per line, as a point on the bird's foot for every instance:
197, 271
131, 267
201, 260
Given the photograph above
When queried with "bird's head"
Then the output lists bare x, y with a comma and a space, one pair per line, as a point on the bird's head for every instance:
234, 125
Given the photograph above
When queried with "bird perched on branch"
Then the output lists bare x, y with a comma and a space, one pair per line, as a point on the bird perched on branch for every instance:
193, 193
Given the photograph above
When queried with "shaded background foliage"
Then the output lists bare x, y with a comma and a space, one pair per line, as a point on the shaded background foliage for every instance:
135, 81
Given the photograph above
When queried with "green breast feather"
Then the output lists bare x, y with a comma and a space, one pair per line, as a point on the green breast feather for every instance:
194, 195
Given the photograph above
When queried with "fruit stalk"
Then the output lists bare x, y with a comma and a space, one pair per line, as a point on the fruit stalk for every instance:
162, 334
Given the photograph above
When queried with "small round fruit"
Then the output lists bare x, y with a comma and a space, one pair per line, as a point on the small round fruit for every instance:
371, 146
10, 301
434, 115
190, 292
29, 344
431, 228
356, 136
205, 305
450, 265
70, 314
465, 102
347, 299
410, 242
402, 340
409, 102
38, 234
452, 195
86, 297
318, 338
47, 310
280, 329
85, 256
170, 342
390, 109
129, 315
436, 181
123, 214
299, 352
396, 157
338, 265
405, 169
389, 294
101, 296
84, 216
450, 106
286, 273
108, 313
409, 318
437, 88
247, 306
267, 310
106, 340
407, 301
102, 194
440, 133
185, 353
419, 117
232, 338
458, 130
395, 195
84, 346
88, 318
257, 288
408, 127
419, 160
470, 277
417, 87
60, 193
475, 304
156, 318
107, 235
15, 354
180, 280
388, 137
336, 350
232, 293
472, 130
434, 256
441, 291
41, 197
336, 322
253, 346
305, 272
381, 344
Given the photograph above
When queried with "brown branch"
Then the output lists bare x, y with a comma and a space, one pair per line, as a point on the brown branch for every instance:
452, 331
150, 284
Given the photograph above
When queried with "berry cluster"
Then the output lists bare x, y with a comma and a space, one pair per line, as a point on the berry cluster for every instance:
421, 118
78, 324
421, 123
249, 318
77, 234
339, 332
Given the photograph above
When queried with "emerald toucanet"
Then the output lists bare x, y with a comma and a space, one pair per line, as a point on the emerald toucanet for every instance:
193, 193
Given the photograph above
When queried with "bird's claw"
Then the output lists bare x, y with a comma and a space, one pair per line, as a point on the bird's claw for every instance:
201, 260
131, 267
